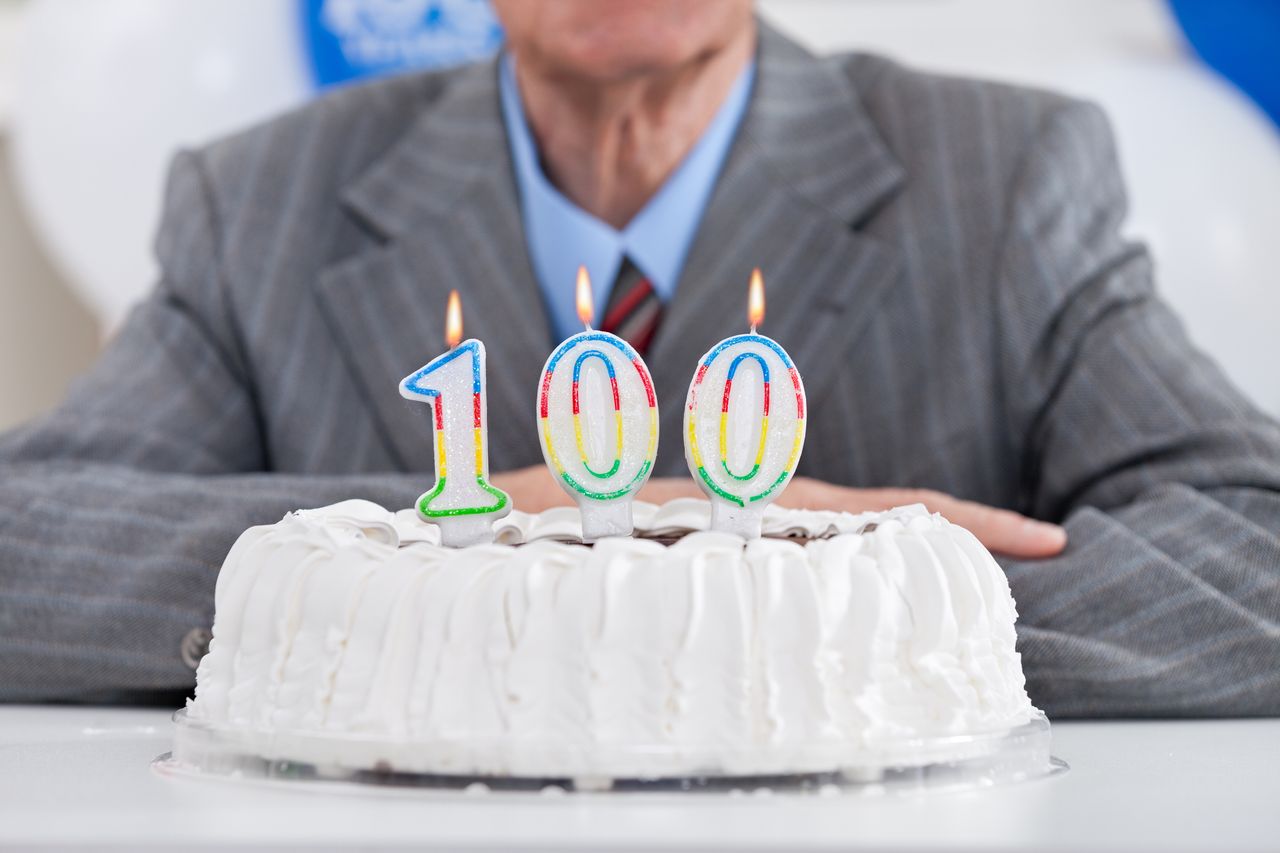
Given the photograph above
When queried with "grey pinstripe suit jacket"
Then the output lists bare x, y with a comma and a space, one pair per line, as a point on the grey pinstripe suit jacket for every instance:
945, 267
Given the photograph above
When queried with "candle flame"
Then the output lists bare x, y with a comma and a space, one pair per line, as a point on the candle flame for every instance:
755, 299
586, 309
453, 320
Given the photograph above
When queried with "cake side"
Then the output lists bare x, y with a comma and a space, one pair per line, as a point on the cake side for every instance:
711, 654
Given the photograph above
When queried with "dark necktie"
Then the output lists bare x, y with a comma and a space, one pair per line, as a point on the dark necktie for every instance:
634, 309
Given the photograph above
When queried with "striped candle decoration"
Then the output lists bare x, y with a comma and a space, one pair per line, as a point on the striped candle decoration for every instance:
464, 505
598, 423
740, 472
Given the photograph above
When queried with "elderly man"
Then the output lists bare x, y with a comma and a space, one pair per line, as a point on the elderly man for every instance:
946, 268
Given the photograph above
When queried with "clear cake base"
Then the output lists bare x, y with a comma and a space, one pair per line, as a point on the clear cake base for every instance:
951, 762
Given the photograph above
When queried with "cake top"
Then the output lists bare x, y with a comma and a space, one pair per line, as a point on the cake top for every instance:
662, 525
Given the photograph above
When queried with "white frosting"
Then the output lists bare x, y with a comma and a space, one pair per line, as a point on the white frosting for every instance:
348, 635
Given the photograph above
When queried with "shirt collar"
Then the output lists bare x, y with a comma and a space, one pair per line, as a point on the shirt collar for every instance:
561, 236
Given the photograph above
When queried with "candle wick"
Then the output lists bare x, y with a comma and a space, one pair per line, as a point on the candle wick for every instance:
753, 328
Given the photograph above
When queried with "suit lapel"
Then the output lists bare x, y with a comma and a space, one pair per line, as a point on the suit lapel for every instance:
806, 165
444, 201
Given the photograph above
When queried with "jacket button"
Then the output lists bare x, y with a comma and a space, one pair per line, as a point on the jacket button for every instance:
195, 645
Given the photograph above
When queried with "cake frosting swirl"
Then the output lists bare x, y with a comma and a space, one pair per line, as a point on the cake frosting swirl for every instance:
348, 635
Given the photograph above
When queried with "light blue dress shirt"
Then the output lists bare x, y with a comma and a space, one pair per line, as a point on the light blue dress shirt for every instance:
561, 236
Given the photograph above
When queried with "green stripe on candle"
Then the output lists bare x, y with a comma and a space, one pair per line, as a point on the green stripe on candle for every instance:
426, 512
606, 496
771, 489
706, 478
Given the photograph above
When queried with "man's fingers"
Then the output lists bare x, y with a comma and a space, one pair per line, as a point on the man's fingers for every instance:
1000, 530
662, 489
1005, 531
532, 489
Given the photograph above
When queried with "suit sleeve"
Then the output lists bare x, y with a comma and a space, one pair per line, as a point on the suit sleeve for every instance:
117, 509
1167, 599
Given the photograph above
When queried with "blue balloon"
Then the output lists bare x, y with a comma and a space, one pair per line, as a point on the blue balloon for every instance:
348, 40
1240, 39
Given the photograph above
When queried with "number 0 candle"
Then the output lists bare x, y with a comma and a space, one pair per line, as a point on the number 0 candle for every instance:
598, 423
463, 503
744, 423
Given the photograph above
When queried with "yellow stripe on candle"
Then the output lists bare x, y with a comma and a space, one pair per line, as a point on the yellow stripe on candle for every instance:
693, 442
577, 436
582, 450
796, 444
551, 445
479, 439
724, 439
440, 455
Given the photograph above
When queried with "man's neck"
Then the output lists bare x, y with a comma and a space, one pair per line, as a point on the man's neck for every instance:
609, 146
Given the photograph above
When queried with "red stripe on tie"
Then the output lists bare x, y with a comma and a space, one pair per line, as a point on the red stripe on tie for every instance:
626, 305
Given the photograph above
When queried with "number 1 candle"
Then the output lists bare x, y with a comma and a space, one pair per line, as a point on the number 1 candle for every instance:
744, 423
463, 503
598, 422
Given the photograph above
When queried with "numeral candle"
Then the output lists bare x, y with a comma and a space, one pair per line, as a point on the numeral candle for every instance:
463, 502
744, 423
598, 422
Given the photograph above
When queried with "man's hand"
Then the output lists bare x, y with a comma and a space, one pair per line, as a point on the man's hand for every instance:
533, 489
1000, 530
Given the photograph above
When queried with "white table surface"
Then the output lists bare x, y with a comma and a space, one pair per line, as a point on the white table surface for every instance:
72, 777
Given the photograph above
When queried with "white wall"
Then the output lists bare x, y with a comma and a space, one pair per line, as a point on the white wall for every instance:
47, 335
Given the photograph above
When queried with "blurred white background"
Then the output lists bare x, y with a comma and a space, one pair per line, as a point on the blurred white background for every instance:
96, 94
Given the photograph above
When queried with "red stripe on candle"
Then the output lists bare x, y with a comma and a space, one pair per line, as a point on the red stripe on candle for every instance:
644, 380
546, 392
475, 406
795, 383
724, 404
575, 397
439, 412
766, 399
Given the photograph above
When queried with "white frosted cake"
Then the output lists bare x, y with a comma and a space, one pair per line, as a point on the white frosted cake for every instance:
347, 637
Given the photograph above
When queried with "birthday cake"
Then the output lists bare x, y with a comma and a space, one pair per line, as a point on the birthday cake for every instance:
349, 637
